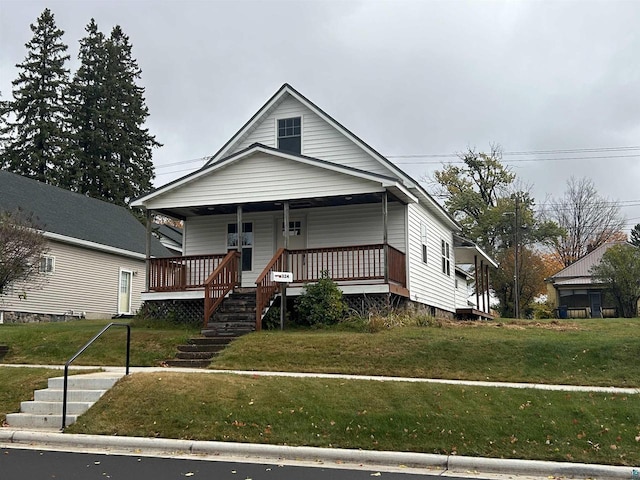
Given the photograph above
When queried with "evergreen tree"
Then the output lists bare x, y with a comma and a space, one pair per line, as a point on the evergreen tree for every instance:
36, 130
635, 235
114, 149
90, 170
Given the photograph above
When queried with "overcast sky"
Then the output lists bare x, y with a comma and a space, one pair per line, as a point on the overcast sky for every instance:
408, 77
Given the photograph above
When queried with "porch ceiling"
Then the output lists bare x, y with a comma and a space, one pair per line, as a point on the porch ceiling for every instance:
183, 212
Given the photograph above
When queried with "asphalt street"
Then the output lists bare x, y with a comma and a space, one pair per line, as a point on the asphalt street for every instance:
29, 464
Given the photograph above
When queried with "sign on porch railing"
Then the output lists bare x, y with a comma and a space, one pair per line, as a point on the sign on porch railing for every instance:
282, 277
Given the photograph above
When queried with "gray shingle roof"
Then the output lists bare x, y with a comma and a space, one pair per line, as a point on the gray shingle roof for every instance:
73, 215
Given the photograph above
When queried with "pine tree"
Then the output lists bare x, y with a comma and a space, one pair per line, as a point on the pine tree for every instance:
114, 149
91, 168
635, 235
36, 130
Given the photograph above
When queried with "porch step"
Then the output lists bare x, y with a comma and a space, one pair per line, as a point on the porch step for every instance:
236, 316
45, 410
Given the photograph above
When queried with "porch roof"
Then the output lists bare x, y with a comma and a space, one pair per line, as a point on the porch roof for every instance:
262, 195
467, 251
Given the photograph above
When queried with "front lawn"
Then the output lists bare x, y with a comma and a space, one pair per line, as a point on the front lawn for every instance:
442, 419
590, 352
18, 384
55, 343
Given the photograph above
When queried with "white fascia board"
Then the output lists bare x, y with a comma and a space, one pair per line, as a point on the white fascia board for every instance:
410, 197
140, 202
93, 245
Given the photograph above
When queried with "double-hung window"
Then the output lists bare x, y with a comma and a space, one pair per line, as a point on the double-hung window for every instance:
446, 260
423, 240
247, 242
290, 134
47, 264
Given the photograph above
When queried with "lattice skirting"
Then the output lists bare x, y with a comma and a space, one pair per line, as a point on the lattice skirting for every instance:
176, 311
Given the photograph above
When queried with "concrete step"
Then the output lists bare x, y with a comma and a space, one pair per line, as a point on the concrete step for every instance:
201, 341
54, 408
45, 411
89, 381
55, 395
201, 348
26, 420
233, 317
195, 355
187, 363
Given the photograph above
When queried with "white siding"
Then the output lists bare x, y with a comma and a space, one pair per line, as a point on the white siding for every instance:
427, 283
84, 281
263, 177
355, 225
319, 139
208, 235
325, 227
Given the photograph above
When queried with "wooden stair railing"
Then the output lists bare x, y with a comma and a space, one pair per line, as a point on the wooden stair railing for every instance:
266, 287
223, 279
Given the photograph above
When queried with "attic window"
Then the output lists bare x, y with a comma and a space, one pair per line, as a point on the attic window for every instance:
290, 134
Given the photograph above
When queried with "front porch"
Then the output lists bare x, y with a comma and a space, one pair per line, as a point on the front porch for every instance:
359, 269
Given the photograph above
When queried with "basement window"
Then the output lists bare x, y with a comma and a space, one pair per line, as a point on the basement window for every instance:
290, 134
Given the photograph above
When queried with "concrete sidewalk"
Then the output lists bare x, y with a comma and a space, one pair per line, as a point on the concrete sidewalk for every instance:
535, 386
277, 453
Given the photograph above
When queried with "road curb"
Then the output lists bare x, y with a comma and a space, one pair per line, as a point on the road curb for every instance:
278, 452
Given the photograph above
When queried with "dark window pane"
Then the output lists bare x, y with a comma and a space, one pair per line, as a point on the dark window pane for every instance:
290, 144
246, 259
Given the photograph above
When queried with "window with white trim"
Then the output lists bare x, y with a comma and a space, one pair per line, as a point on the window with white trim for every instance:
423, 240
247, 242
446, 260
47, 264
290, 134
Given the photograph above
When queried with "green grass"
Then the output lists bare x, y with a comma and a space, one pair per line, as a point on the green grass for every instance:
55, 343
589, 352
18, 384
441, 419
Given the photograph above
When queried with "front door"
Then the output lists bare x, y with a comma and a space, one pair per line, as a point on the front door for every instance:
297, 234
595, 301
124, 292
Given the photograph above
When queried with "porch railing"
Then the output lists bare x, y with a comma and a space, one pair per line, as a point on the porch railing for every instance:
223, 279
266, 288
360, 262
181, 273
343, 264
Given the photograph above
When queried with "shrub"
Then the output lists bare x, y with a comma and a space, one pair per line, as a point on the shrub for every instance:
321, 303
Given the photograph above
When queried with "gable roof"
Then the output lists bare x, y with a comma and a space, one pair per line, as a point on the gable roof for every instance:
579, 272
74, 218
284, 92
387, 181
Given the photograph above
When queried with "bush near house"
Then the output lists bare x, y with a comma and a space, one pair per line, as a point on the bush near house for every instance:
321, 303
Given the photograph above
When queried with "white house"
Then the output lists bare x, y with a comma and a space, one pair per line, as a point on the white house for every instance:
309, 197
94, 266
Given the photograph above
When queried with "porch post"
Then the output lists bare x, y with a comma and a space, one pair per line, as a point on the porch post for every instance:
283, 286
285, 225
239, 230
483, 285
487, 289
475, 264
147, 250
385, 236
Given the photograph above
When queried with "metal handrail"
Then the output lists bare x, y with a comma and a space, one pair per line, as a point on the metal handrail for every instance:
78, 353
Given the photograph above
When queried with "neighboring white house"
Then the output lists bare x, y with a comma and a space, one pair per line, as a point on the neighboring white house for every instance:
347, 210
95, 263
